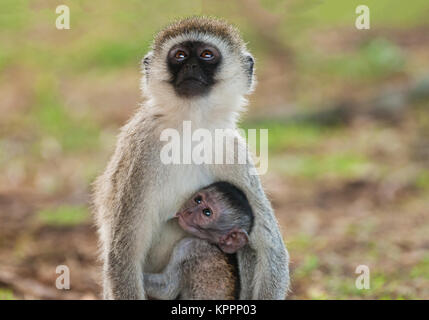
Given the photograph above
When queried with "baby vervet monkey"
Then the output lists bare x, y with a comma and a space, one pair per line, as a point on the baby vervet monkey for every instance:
203, 267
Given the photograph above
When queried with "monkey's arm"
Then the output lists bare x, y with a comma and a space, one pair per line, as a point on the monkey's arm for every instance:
264, 263
122, 209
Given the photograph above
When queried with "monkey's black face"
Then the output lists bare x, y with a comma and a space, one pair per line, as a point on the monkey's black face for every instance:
193, 65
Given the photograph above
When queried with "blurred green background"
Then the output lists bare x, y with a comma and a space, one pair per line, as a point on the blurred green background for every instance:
346, 109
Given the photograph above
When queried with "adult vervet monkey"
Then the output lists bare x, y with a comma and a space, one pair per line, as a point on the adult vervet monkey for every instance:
198, 70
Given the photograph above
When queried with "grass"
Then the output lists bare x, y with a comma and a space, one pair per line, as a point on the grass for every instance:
6, 294
310, 264
55, 121
382, 12
377, 58
421, 270
73, 134
63, 216
290, 136
115, 54
13, 14
300, 242
422, 180
316, 166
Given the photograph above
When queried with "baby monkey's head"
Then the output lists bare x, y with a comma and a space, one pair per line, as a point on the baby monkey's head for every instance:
219, 213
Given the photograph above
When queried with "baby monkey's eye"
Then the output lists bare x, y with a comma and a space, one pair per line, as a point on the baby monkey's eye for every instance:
207, 55
180, 55
198, 199
207, 212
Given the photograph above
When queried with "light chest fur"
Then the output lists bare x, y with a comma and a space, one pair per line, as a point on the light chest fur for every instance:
177, 183
190, 178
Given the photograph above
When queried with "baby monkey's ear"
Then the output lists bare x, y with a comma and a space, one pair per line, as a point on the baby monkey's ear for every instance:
234, 240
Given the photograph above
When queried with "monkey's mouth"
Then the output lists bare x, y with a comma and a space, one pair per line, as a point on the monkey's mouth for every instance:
192, 81
185, 225
191, 86
188, 227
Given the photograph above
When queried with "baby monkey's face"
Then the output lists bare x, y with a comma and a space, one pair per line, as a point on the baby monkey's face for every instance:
200, 216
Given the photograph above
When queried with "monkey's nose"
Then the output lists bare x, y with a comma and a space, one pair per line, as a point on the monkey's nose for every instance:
190, 66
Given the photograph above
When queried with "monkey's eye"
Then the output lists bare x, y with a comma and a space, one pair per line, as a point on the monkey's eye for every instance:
198, 199
207, 212
207, 55
180, 55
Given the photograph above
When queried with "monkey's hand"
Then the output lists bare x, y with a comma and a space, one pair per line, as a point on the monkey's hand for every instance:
163, 286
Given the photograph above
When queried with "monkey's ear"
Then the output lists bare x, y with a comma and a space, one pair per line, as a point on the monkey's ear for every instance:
234, 240
249, 63
147, 61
